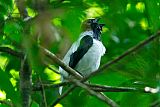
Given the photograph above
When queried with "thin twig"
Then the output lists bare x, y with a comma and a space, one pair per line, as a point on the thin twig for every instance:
53, 70
63, 95
11, 52
37, 87
155, 104
104, 88
100, 95
95, 87
43, 93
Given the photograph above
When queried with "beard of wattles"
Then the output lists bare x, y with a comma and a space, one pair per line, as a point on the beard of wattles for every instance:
96, 31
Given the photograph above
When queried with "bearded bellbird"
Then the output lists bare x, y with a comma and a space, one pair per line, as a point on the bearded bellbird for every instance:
85, 54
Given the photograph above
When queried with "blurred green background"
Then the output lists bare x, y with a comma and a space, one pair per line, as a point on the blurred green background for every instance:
55, 24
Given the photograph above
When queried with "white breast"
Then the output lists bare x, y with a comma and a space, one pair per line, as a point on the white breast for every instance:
91, 60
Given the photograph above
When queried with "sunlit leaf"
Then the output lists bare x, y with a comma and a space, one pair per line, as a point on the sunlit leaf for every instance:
140, 6
8, 88
2, 95
94, 12
34, 104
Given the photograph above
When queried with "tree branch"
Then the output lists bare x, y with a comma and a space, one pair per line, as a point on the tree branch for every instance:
99, 95
63, 95
43, 93
155, 104
129, 51
11, 52
95, 87
62, 64
25, 71
25, 82
38, 87
104, 88
78, 76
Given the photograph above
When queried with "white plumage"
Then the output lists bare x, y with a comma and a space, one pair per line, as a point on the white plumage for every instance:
90, 61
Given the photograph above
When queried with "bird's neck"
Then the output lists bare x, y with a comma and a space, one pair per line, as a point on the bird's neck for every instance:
91, 33
88, 32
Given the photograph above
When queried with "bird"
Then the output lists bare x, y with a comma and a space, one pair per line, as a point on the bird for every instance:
85, 54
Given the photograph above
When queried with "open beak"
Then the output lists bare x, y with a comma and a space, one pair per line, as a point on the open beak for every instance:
101, 25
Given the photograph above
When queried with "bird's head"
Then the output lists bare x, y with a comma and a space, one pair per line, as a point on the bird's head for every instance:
92, 24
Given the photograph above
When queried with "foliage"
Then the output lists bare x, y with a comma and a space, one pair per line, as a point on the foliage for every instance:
55, 24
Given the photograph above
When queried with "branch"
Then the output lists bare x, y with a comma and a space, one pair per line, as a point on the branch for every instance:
11, 52
96, 87
78, 76
57, 72
8, 103
61, 63
132, 49
43, 93
63, 95
100, 95
25, 75
38, 87
25, 82
104, 88
155, 103
25, 71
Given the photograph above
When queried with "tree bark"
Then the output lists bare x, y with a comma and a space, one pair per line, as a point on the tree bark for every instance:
25, 82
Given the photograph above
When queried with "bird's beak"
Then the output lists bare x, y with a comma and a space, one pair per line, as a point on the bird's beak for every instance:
102, 25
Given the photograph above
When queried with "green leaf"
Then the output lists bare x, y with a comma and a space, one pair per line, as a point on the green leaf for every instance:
3, 10
6, 85
14, 31
72, 24
153, 16
34, 104
6, 2
5, 6
136, 99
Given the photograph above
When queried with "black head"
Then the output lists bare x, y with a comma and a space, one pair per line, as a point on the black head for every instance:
96, 27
